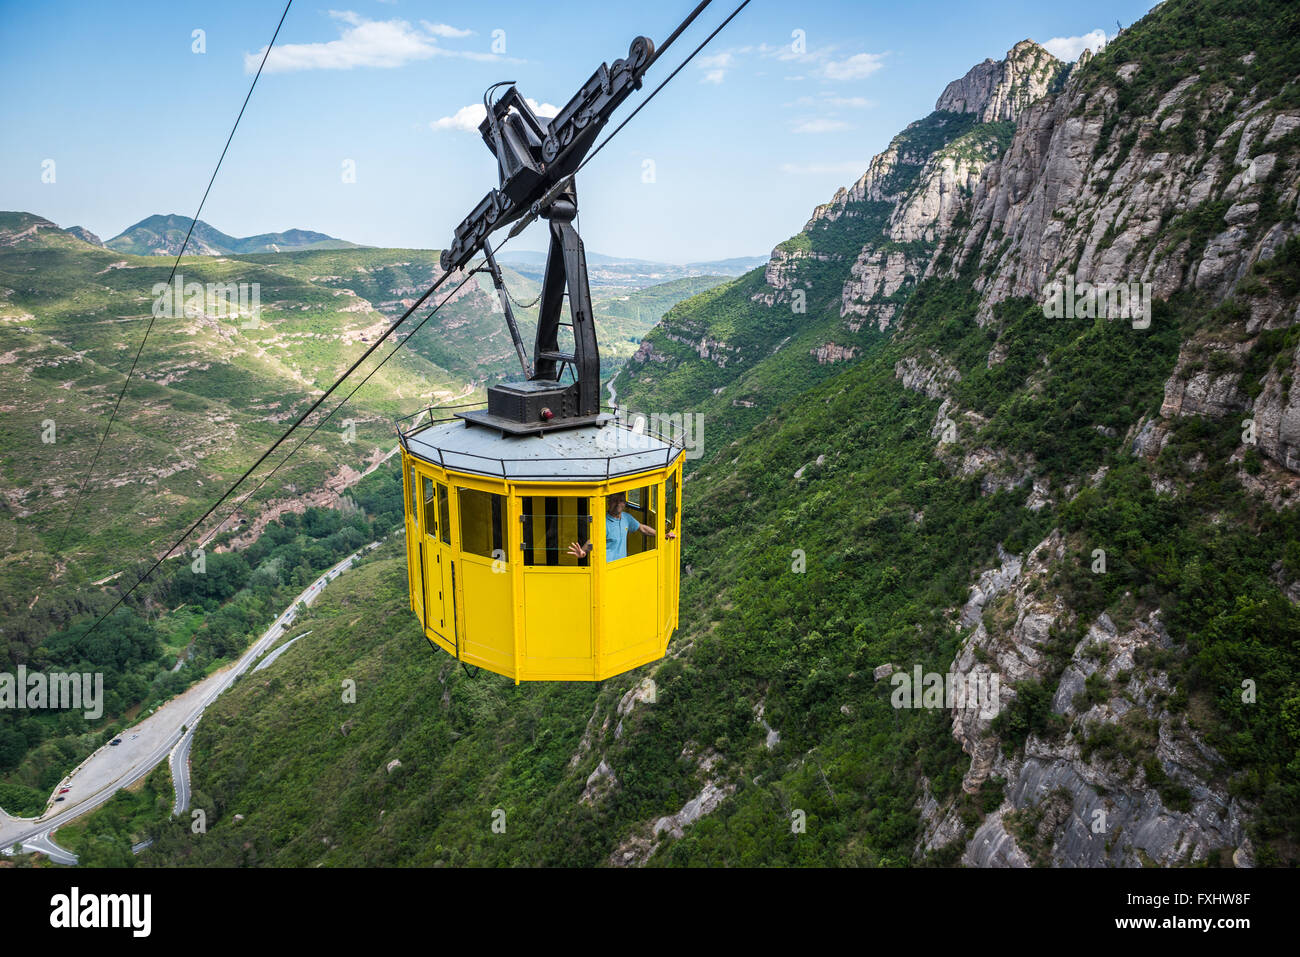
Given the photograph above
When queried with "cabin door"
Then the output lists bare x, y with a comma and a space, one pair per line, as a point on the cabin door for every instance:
439, 564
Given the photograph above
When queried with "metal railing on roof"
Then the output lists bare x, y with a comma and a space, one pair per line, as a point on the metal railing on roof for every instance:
511, 467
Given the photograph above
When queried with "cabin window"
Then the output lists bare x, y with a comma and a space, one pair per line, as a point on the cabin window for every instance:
430, 508
444, 514
482, 523
670, 504
415, 499
640, 509
551, 524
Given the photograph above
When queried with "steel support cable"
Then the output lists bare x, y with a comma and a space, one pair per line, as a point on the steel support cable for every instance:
681, 28
172, 275
275, 445
417, 304
655, 92
238, 505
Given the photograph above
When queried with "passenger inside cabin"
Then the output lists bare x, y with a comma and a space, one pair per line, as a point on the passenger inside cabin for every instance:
617, 526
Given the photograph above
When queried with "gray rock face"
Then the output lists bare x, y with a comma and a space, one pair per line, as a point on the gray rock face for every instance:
1072, 800
599, 783
992, 583
1000, 90
642, 843
1066, 200
930, 379
924, 210
1277, 419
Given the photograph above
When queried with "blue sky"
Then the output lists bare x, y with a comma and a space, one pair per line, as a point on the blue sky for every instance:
744, 143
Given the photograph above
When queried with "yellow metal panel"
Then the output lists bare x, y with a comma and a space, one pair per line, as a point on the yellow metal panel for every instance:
487, 632
516, 582
629, 618
566, 623
598, 588
557, 622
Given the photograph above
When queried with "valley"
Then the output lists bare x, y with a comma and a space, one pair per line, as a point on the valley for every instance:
913, 464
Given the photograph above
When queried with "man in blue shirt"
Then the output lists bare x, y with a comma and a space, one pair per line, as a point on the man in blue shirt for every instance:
617, 525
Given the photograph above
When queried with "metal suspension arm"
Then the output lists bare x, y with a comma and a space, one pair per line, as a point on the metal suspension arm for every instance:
504, 296
532, 158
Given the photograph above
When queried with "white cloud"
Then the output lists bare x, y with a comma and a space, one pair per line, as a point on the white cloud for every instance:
362, 43
468, 118
820, 126
851, 102
715, 66
1071, 48
846, 168
442, 30
857, 67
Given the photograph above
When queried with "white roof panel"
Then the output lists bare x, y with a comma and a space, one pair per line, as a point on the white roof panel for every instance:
590, 453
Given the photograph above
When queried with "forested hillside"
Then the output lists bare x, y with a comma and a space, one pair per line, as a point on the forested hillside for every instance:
223, 373
910, 462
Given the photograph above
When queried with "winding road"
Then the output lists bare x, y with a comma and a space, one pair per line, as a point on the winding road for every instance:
168, 731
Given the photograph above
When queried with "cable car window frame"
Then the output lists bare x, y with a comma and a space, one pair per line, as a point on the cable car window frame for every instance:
428, 492
641, 507
444, 513
560, 527
670, 503
415, 498
494, 510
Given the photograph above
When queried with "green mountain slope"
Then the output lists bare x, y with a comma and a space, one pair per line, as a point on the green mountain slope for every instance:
1072, 504
211, 392
159, 235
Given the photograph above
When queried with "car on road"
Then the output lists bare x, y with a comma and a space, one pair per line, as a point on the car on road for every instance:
64, 790
58, 799
115, 742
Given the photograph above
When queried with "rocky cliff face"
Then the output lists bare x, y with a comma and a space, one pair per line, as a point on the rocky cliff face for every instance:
1166, 165
911, 193
1186, 183
1090, 188
1001, 89
1122, 779
1098, 192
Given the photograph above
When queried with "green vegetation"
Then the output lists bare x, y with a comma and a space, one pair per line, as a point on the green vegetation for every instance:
826, 531
104, 838
214, 616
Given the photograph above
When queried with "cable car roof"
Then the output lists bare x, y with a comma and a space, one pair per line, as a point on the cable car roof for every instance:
590, 454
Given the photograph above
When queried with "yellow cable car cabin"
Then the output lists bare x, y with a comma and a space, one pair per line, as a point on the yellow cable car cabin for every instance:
510, 568
490, 525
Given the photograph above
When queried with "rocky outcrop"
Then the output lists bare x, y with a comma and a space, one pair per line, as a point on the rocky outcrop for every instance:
1073, 801
1096, 192
1001, 89
85, 235
1122, 779
875, 276
926, 187
706, 347
645, 840
1276, 415
828, 353
781, 274
929, 377
599, 783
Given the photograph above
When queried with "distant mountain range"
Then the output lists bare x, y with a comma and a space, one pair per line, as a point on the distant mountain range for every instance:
160, 235
605, 270
163, 236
